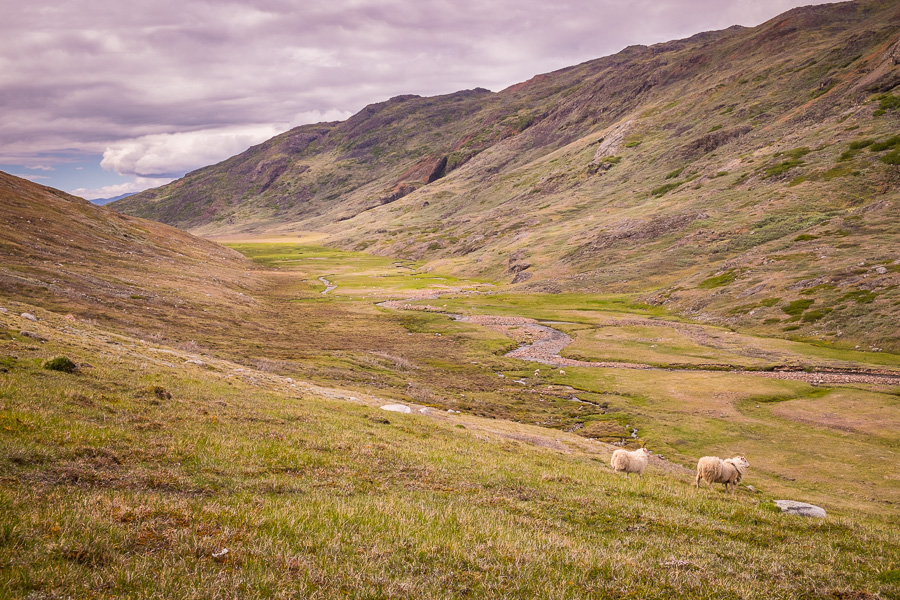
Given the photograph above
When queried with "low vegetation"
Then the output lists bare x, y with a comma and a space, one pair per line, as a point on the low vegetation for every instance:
197, 476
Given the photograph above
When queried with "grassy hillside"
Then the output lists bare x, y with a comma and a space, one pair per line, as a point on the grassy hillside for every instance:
67, 255
746, 177
221, 404
152, 474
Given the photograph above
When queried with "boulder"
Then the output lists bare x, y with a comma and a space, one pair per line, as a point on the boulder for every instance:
400, 408
29, 316
800, 508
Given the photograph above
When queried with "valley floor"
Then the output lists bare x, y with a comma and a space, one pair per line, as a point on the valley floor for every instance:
253, 461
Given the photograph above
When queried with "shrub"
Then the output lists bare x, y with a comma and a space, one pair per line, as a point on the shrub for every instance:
859, 296
892, 158
61, 363
861, 144
674, 173
891, 142
665, 188
782, 167
796, 153
718, 280
798, 306
814, 315
804, 237
888, 102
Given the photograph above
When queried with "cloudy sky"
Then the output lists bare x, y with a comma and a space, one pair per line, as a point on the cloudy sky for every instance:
101, 98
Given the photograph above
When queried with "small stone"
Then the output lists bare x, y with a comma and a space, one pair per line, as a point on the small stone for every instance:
880, 270
29, 316
3, 310
801, 508
400, 408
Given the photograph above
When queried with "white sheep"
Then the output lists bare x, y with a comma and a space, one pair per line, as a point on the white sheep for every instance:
634, 461
713, 469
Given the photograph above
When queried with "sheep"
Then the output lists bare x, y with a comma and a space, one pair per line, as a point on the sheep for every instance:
713, 469
634, 461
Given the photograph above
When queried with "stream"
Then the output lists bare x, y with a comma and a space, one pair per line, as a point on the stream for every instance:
544, 344
328, 285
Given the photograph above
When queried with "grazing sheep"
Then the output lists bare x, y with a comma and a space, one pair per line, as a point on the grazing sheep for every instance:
713, 469
634, 461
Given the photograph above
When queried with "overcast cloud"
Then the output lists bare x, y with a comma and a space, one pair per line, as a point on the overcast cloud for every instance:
161, 87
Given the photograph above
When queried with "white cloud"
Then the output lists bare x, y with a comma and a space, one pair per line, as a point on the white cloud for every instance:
83, 75
40, 167
170, 154
111, 191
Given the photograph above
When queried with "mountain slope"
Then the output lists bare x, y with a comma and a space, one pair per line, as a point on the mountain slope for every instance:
69, 255
746, 176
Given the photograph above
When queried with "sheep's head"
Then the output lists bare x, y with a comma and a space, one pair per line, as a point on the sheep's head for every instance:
645, 451
741, 462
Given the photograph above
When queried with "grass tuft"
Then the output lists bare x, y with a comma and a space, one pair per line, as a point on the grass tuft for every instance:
61, 363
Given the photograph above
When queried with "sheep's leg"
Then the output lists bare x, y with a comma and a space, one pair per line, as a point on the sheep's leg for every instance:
697, 481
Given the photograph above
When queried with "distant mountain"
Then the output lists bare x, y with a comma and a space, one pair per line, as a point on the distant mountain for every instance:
102, 201
747, 177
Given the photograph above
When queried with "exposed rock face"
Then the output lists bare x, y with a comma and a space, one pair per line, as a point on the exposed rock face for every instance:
801, 508
711, 141
517, 265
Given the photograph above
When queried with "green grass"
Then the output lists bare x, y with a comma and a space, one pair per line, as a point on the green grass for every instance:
891, 142
718, 280
797, 307
665, 188
130, 477
891, 158
781, 168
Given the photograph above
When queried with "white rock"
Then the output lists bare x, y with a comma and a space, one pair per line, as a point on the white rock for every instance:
400, 408
3, 310
29, 316
800, 508
424, 410
194, 361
